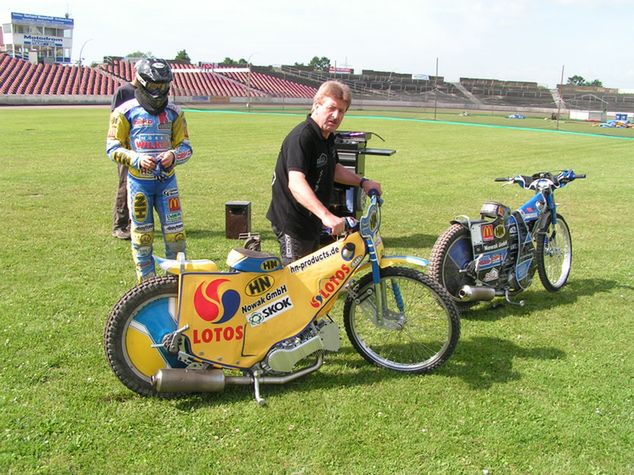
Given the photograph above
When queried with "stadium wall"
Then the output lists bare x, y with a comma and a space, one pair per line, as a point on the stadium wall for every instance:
357, 103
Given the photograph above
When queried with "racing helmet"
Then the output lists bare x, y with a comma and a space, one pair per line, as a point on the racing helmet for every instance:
154, 77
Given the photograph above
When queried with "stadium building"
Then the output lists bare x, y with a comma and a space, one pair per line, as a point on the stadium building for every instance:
37, 38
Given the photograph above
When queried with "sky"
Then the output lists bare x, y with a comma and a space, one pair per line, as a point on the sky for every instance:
515, 40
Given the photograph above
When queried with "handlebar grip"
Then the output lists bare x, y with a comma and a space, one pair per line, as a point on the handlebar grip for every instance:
502, 179
373, 192
580, 175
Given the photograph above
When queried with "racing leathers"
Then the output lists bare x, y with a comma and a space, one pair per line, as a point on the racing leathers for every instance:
133, 133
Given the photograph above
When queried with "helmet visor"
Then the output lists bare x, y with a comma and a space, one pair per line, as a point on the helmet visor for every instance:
157, 87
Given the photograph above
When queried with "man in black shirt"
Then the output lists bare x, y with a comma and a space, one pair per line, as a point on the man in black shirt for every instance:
120, 214
306, 170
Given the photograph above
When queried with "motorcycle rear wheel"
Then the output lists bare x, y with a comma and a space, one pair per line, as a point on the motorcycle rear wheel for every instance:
418, 333
141, 318
451, 254
554, 254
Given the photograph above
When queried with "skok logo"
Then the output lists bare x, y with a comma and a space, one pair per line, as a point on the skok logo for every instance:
214, 306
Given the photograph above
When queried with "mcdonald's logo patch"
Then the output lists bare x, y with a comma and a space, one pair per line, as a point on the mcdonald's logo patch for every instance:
487, 232
174, 204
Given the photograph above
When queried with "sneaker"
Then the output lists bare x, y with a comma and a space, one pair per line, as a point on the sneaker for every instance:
121, 234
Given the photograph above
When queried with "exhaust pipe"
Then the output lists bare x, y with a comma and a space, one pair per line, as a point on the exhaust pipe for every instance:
469, 293
168, 380
181, 380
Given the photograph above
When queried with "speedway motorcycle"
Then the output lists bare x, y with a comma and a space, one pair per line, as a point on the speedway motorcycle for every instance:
197, 329
497, 255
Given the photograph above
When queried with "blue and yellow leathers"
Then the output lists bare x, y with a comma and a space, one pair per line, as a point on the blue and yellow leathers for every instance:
135, 132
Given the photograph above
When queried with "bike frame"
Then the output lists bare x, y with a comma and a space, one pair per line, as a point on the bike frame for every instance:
232, 319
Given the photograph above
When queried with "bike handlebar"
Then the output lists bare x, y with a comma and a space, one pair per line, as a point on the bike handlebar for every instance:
557, 180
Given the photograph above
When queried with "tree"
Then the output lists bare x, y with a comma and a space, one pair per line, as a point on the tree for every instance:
140, 54
183, 56
577, 80
319, 64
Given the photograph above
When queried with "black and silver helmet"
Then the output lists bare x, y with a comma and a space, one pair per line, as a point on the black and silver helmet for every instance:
154, 77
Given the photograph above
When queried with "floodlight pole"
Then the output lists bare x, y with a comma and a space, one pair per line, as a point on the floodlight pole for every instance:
436, 90
561, 82
81, 51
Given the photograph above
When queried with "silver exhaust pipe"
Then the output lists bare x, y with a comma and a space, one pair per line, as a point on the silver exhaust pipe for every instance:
469, 293
177, 380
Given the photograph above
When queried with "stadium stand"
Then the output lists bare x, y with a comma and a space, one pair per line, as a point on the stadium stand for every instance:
210, 83
21, 77
510, 93
595, 98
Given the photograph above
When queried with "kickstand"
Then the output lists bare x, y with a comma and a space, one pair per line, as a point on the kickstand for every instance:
256, 388
508, 299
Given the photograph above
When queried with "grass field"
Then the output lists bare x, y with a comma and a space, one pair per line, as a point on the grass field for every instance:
547, 388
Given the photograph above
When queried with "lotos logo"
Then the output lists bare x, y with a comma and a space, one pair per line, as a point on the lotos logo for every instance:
213, 307
331, 285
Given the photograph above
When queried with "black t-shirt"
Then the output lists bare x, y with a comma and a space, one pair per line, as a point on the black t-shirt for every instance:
122, 94
304, 149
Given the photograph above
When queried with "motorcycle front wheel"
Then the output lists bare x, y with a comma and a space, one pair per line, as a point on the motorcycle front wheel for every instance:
140, 319
554, 254
451, 254
419, 328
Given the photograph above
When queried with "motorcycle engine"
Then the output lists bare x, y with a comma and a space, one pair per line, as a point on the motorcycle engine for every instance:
322, 335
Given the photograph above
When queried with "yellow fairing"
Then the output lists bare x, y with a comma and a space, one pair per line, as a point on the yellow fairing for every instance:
235, 318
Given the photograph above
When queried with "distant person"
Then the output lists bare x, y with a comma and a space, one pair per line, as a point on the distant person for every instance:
148, 135
121, 215
307, 168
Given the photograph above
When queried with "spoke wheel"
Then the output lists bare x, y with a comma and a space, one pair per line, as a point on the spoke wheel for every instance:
420, 326
554, 254
141, 318
450, 256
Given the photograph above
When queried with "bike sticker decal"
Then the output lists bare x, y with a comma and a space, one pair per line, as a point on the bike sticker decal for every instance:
325, 253
269, 264
139, 204
330, 286
207, 335
265, 298
499, 231
258, 285
487, 232
209, 303
273, 309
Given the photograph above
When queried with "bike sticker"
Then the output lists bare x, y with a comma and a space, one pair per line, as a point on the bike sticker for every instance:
213, 305
258, 285
273, 309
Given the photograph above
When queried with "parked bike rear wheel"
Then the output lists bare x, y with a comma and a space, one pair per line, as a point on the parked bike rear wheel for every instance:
141, 318
554, 254
451, 254
418, 332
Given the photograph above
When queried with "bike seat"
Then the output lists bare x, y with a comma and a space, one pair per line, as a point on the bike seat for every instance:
180, 264
247, 260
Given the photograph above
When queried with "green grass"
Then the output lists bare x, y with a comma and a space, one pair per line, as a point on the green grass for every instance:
542, 389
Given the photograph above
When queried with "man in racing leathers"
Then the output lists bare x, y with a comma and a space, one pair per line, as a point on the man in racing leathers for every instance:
148, 134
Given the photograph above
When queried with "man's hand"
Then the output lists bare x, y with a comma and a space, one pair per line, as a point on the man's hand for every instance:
166, 159
371, 185
336, 224
147, 163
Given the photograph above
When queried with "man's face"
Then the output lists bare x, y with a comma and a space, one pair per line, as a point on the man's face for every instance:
329, 114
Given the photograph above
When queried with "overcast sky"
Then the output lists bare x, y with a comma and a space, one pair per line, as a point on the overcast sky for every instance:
511, 40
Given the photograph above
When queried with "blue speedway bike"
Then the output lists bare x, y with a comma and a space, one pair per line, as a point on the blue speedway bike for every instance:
497, 255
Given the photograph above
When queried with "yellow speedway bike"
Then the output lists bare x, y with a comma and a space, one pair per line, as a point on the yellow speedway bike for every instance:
198, 329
